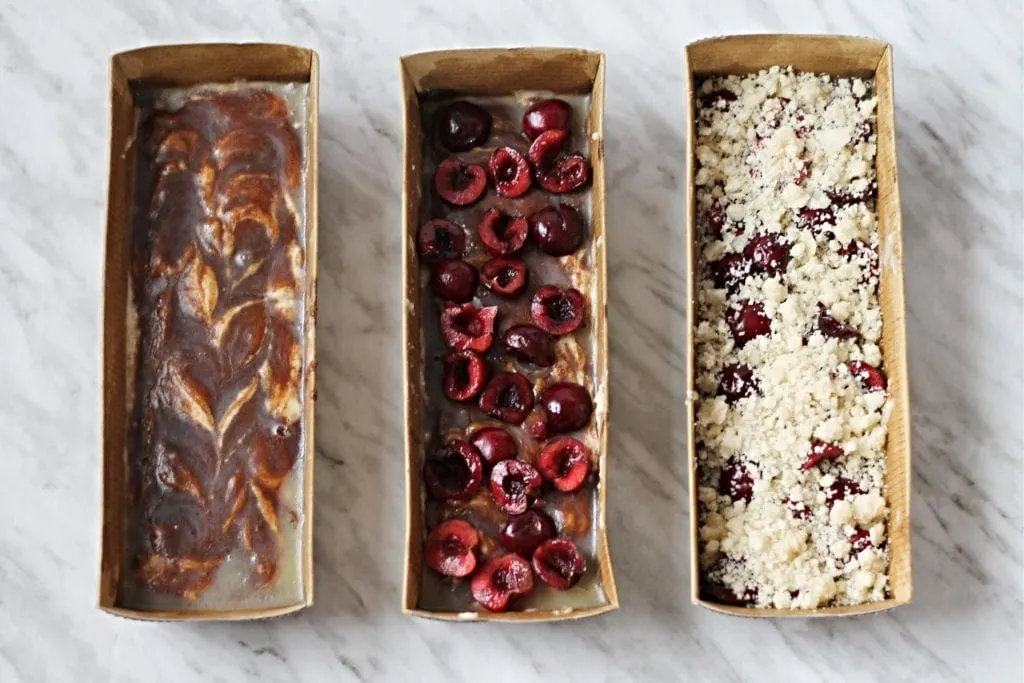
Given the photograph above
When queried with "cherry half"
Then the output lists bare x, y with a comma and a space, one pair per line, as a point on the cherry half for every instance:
559, 563
502, 234
870, 377
747, 320
547, 115
510, 172
454, 472
530, 344
450, 548
508, 397
505, 277
768, 254
439, 239
463, 125
465, 374
567, 407
738, 381
465, 327
514, 484
557, 310
523, 533
821, 450
735, 480
565, 462
830, 327
454, 281
557, 231
501, 580
494, 444
459, 184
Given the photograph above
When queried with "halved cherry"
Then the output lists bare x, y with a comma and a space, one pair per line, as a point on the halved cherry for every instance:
567, 407
559, 563
747, 320
454, 471
716, 218
505, 277
557, 310
501, 580
450, 548
865, 255
830, 327
529, 344
870, 377
514, 484
510, 171
735, 480
546, 115
463, 125
439, 239
738, 381
815, 220
465, 374
522, 534
730, 271
508, 397
557, 231
459, 184
768, 254
494, 444
713, 591
565, 462
545, 149
566, 174
454, 281
719, 99
840, 489
821, 450
502, 234
845, 196
466, 327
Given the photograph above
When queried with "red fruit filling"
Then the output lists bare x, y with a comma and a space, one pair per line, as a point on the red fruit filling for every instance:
523, 533
565, 462
510, 171
737, 382
450, 548
717, 593
458, 183
821, 450
830, 327
556, 310
494, 444
863, 131
559, 563
508, 397
545, 149
860, 540
463, 125
718, 98
439, 240
716, 218
530, 344
557, 231
500, 580
505, 277
735, 480
866, 255
730, 271
870, 377
840, 489
454, 471
797, 508
768, 254
844, 196
547, 115
502, 234
465, 327
746, 321
567, 173
465, 373
815, 220
454, 281
514, 484
567, 407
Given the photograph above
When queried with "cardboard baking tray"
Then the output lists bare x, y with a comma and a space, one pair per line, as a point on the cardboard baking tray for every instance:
498, 72
846, 57
181, 66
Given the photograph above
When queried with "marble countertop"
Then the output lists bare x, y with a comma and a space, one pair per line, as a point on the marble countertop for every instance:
958, 82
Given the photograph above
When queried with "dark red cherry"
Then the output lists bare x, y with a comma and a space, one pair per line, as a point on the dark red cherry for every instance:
557, 310
747, 320
870, 377
738, 381
730, 271
816, 220
567, 407
523, 533
463, 125
450, 548
454, 472
500, 581
565, 462
494, 444
559, 563
567, 173
769, 254
505, 277
502, 234
530, 344
821, 450
508, 397
735, 480
545, 149
510, 172
514, 484
840, 489
547, 115
557, 231
465, 374
719, 99
830, 327
439, 239
459, 184
455, 281
465, 327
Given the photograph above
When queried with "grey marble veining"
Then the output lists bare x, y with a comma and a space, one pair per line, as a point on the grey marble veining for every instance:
958, 84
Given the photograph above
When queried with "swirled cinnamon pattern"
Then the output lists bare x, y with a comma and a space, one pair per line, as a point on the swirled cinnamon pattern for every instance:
218, 268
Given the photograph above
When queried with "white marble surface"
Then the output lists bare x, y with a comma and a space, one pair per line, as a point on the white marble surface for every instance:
958, 79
